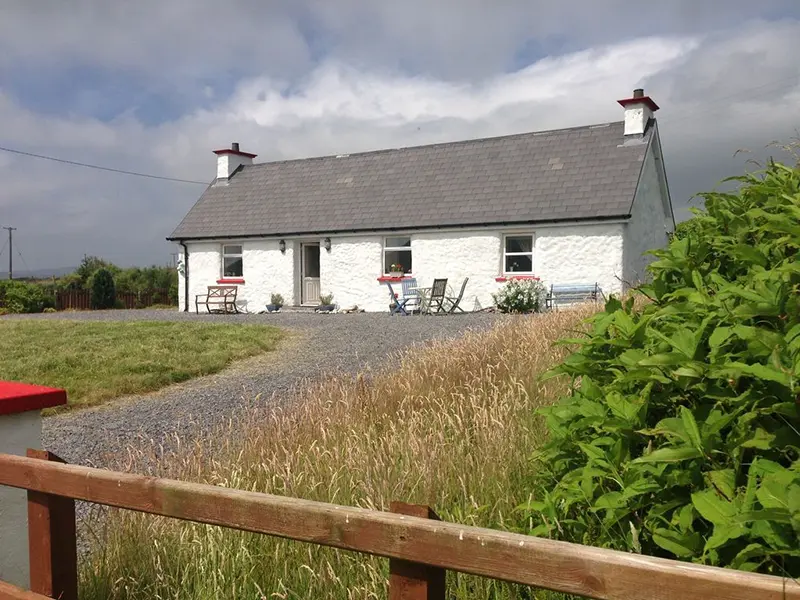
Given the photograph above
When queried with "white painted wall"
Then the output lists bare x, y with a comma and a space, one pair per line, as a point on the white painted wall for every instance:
227, 163
350, 271
580, 254
636, 118
650, 222
456, 255
204, 268
265, 270
18, 432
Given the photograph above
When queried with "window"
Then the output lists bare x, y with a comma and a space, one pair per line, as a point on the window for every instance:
397, 251
232, 261
518, 254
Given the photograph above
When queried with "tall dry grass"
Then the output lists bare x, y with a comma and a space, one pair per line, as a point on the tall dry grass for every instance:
451, 425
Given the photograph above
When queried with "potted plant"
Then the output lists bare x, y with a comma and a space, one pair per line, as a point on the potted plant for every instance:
276, 303
326, 303
396, 270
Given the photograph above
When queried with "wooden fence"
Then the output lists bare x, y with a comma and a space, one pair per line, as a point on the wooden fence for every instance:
419, 549
82, 299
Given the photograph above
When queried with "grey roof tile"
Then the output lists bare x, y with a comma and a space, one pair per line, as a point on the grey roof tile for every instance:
474, 182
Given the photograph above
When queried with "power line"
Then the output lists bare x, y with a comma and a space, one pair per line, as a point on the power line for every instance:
99, 167
24, 262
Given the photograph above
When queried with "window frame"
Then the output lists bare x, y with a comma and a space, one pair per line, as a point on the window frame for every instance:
386, 248
506, 254
224, 255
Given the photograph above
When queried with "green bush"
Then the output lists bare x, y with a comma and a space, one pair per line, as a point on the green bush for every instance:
277, 299
520, 296
23, 297
681, 437
103, 291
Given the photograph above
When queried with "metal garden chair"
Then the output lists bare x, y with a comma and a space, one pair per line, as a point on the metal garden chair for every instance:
398, 304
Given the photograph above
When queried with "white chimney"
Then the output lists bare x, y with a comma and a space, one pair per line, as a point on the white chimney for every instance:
230, 159
638, 111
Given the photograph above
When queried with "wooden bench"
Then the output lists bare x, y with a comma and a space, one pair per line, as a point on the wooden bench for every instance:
572, 293
222, 297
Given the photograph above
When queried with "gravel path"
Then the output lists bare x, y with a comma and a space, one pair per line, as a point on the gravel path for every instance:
317, 345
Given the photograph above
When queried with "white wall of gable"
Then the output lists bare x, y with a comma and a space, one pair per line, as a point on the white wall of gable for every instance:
204, 268
265, 271
649, 224
580, 254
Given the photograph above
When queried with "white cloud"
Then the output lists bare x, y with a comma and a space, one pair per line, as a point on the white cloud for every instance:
718, 92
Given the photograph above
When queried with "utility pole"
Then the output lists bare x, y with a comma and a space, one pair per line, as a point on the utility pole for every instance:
10, 251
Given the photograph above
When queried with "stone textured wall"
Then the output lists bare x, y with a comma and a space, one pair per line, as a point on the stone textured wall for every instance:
456, 255
350, 272
650, 221
265, 270
580, 254
18, 432
204, 268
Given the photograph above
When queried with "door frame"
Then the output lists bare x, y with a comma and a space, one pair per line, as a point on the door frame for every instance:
303, 245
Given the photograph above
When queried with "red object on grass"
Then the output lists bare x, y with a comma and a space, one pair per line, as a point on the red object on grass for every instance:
20, 397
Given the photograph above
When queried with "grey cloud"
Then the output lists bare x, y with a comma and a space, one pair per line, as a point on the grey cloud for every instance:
735, 89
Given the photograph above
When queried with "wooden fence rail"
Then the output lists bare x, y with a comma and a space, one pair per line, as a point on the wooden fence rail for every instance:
414, 541
82, 299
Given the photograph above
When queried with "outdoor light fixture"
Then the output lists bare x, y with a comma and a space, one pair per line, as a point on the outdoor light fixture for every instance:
282, 246
327, 242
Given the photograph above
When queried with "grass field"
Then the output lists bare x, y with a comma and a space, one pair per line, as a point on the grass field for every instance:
95, 362
452, 426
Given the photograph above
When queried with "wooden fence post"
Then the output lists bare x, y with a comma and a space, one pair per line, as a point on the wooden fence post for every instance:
410, 580
52, 541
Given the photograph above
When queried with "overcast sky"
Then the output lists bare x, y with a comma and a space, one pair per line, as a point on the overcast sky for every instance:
156, 85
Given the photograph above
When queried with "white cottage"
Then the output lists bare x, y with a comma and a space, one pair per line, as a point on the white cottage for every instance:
577, 205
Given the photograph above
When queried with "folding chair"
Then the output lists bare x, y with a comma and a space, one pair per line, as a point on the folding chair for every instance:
438, 295
399, 307
411, 294
455, 301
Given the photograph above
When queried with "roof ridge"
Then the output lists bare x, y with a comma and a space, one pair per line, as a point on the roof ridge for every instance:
433, 145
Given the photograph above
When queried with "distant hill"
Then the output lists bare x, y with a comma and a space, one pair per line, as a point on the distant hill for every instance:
39, 273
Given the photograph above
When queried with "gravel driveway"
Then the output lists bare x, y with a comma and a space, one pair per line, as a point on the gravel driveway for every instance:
318, 344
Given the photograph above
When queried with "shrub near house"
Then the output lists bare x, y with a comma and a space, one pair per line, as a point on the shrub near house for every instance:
682, 438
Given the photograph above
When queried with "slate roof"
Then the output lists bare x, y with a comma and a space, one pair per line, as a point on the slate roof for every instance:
568, 174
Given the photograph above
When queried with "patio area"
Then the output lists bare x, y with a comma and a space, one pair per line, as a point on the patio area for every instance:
413, 299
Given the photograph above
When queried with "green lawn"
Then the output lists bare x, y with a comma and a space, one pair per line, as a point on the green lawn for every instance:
95, 362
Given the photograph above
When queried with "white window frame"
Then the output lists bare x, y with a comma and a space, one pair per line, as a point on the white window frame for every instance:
386, 248
532, 253
231, 255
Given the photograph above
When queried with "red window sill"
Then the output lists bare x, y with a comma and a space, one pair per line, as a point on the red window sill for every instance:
230, 281
386, 278
503, 278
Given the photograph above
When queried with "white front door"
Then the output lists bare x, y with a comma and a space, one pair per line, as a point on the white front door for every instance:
309, 274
